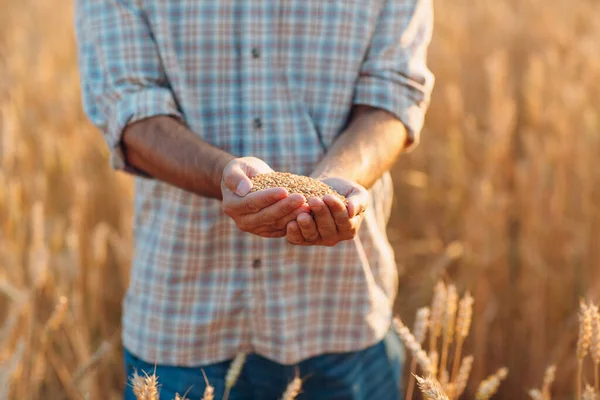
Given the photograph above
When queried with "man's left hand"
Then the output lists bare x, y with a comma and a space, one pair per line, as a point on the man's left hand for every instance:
332, 221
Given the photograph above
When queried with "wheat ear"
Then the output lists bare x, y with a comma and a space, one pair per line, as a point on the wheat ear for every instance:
535, 394
589, 393
420, 330
233, 373
431, 388
489, 386
437, 315
549, 377
293, 388
144, 388
595, 345
411, 343
449, 320
209, 390
463, 376
463, 324
583, 341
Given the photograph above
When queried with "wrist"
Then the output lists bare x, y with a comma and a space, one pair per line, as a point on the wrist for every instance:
221, 161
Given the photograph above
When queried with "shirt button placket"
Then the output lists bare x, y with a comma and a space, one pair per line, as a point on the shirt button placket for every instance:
257, 123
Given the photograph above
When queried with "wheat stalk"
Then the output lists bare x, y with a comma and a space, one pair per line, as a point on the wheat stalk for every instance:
489, 386
431, 388
449, 319
434, 358
420, 330
583, 341
463, 324
462, 378
411, 343
437, 315
233, 373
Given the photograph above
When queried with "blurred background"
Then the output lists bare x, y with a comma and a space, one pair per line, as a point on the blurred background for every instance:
502, 197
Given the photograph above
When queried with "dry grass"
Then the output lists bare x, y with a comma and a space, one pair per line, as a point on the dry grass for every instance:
501, 196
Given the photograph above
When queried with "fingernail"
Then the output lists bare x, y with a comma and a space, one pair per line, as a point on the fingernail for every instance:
243, 188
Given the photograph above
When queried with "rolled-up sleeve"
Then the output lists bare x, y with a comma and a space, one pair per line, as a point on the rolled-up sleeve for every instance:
122, 76
394, 75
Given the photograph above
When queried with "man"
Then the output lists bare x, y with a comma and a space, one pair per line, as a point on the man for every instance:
195, 97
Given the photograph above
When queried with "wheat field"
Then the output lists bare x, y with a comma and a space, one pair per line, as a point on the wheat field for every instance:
501, 198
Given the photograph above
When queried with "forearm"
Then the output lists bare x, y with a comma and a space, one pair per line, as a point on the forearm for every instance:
167, 150
366, 149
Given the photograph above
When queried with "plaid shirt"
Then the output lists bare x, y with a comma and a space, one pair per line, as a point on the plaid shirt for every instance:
275, 79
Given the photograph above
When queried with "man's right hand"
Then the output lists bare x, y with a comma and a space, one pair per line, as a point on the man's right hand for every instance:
264, 213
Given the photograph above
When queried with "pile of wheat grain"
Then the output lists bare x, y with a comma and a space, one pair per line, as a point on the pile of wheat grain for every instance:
303, 185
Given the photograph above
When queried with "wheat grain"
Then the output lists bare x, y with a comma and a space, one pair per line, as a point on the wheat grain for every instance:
489, 386
233, 373
411, 343
463, 376
431, 388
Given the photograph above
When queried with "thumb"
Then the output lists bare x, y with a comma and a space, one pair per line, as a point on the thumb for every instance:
237, 181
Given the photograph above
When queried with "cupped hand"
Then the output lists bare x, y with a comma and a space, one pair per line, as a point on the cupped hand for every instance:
264, 213
332, 221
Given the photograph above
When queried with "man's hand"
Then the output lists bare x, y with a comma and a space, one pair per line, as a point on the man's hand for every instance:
333, 221
264, 213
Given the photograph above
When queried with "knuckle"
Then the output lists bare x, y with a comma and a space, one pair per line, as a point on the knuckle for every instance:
267, 219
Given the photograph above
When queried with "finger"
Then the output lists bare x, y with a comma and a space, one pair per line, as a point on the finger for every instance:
357, 203
323, 218
237, 180
272, 214
266, 233
308, 228
293, 234
254, 202
338, 210
283, 222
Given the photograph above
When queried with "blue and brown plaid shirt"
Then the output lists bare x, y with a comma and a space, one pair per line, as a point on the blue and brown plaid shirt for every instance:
275, 79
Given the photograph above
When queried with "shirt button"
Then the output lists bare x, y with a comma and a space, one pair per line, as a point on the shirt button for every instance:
256, 263
257, 123
255, 52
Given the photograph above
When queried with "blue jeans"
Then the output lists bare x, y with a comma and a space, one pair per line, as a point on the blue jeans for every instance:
373, 373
